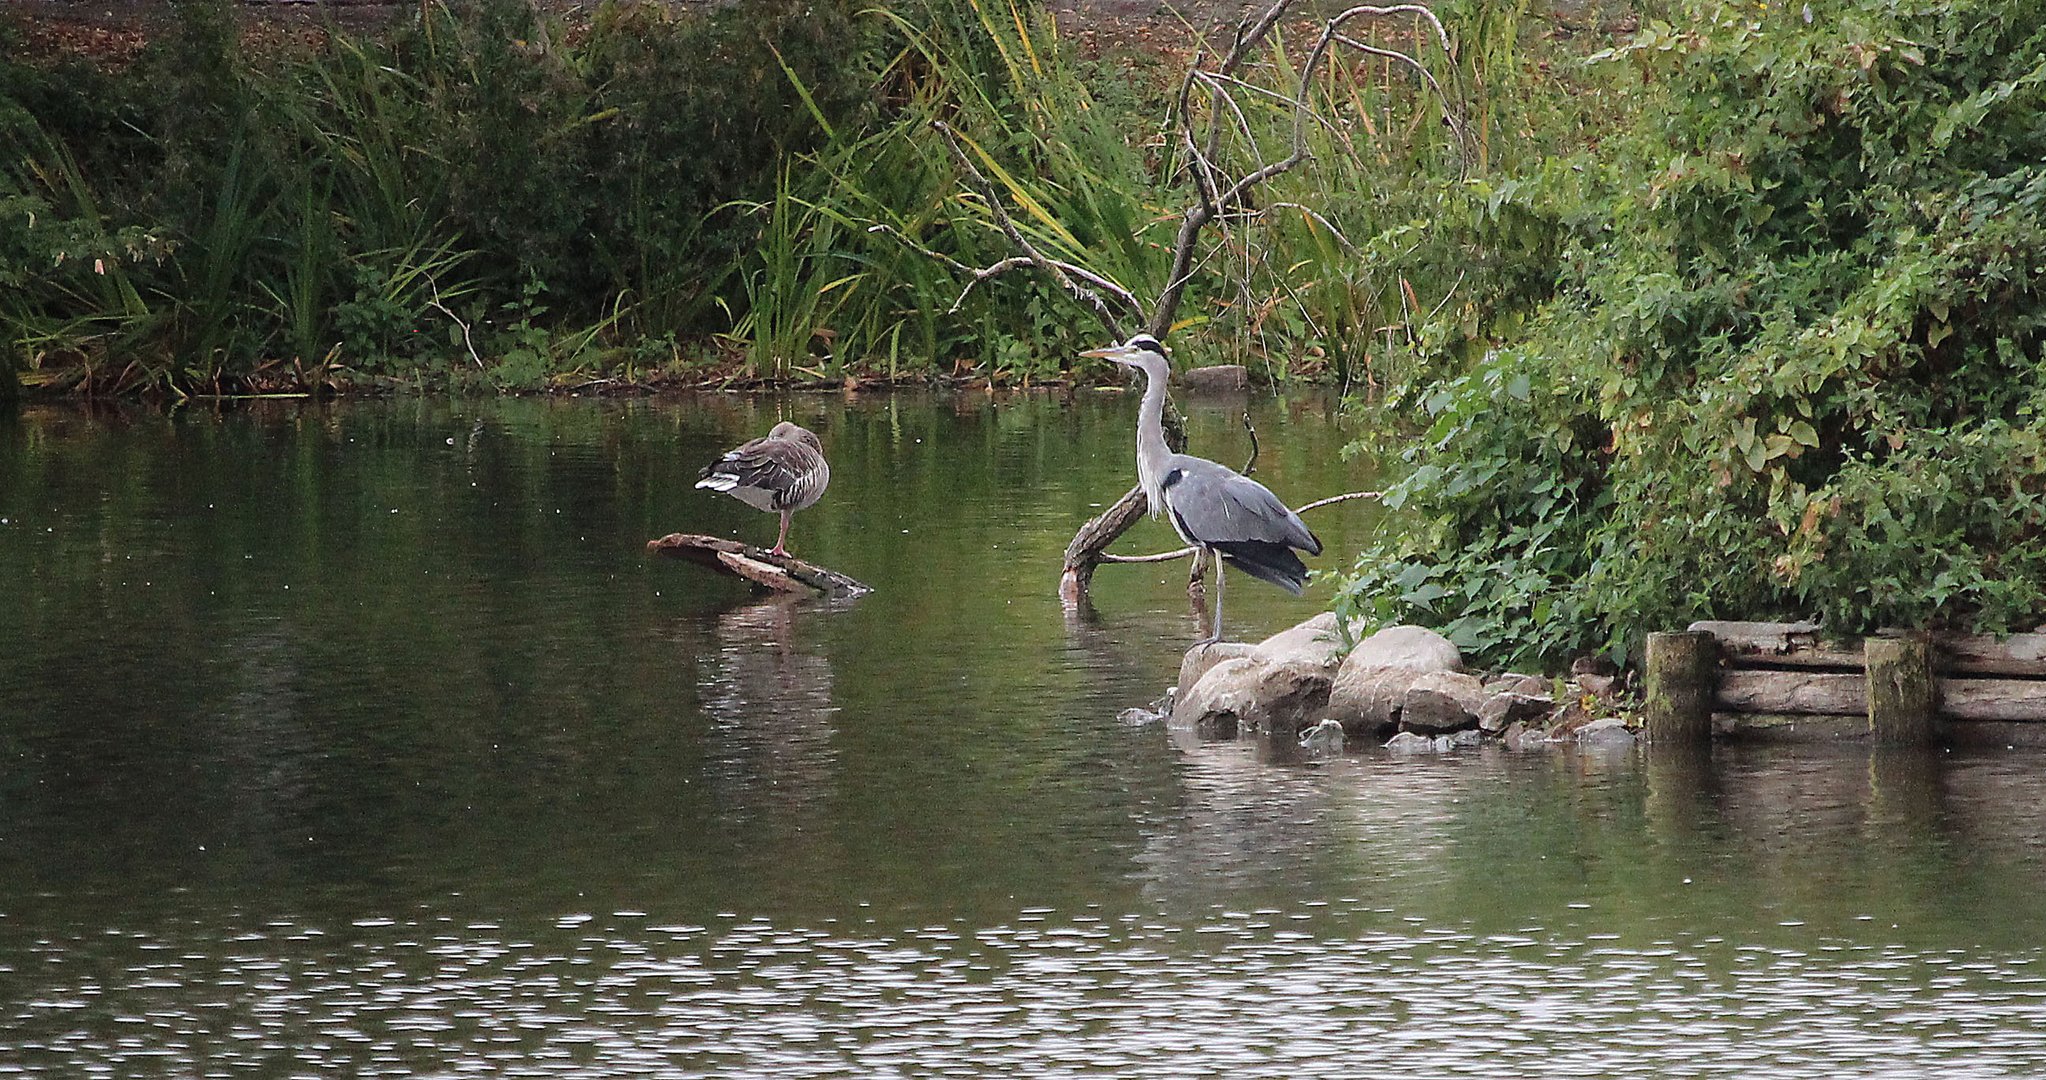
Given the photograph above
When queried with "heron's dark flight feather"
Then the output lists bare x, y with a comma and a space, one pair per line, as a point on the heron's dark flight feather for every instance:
1275, 563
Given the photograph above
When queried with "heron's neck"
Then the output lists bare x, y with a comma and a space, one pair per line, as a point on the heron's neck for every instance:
1151, 448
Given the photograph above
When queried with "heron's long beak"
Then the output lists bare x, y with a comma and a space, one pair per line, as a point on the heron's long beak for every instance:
1118, 353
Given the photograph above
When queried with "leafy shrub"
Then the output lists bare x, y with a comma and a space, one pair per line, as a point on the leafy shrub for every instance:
1793, 366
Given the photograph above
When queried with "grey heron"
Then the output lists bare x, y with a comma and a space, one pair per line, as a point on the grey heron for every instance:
1214, 508
781, 472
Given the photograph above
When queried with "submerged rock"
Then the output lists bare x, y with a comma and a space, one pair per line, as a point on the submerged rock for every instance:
1325, 737
1523, 737
1610, 731
1157, 710
1406, 742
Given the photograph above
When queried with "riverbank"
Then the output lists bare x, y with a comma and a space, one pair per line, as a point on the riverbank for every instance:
479, 198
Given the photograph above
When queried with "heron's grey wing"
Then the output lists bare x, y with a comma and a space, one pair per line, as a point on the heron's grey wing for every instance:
1216, 504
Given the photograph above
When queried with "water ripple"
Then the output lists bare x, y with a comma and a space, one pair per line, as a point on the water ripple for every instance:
1046, 994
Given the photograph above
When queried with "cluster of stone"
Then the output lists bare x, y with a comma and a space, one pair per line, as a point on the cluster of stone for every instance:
1404, 686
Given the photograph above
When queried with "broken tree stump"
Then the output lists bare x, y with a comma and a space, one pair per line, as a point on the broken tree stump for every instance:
778, 573
1681, 668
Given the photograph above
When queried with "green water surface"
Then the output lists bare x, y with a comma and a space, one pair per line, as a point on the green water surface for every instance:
366, 739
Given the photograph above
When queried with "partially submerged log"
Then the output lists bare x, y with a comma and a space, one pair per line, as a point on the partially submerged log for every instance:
1846, 694
1800, 645
1901, 682
779, 573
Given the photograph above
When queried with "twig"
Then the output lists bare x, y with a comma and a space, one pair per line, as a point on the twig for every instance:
1317, 216
1455, 123
435, 303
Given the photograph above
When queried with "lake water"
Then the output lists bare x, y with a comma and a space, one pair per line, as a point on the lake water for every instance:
366, 740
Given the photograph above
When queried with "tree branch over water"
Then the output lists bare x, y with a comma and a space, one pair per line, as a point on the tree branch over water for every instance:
1220, 197
1181, 553
1216, 143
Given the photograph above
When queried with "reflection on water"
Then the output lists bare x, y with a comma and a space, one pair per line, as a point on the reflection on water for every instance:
365, 740
767, 697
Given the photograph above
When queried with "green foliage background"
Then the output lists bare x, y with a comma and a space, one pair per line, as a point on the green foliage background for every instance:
470, 196
1792, 365
479, 198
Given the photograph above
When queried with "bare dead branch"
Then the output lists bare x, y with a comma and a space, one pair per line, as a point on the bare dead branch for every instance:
1215, 202
978, 274
1162, 556
1343, 498
1059, 270
435, 304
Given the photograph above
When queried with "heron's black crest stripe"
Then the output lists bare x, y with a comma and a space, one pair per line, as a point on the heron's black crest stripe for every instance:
1147, 342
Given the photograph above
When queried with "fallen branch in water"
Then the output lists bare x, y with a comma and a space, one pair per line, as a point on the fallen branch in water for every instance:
779, 573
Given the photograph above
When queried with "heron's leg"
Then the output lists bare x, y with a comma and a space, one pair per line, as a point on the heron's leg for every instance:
1201, 555
1219, 575
783, 539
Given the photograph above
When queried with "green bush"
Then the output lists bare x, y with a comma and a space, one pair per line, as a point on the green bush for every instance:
1793, 364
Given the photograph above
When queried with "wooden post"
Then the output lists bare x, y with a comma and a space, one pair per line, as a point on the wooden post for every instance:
1680, 677
1901, 701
